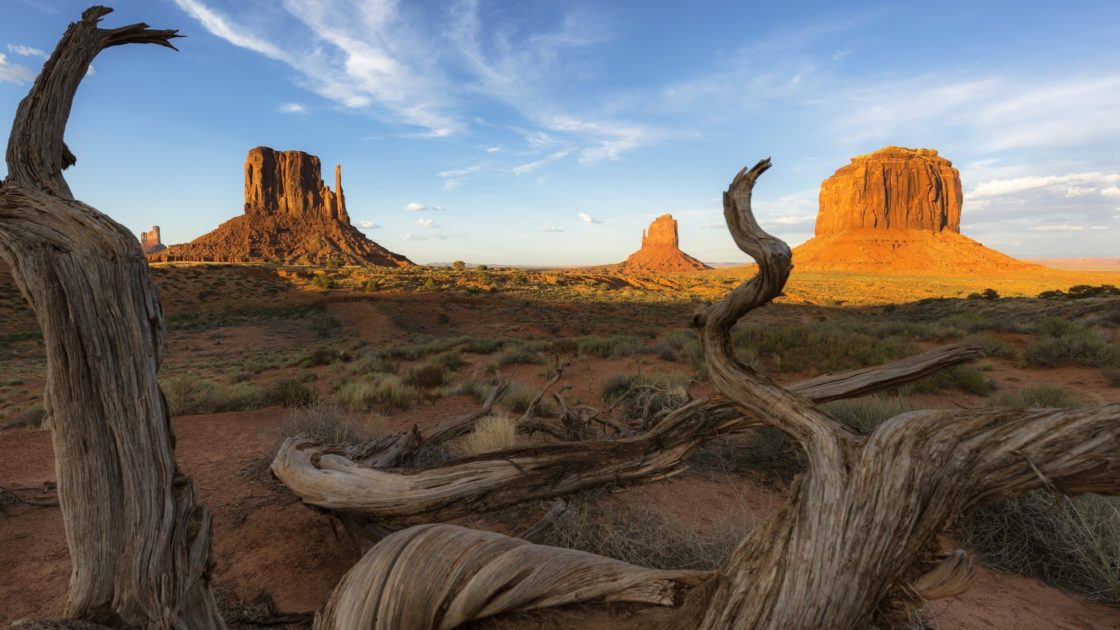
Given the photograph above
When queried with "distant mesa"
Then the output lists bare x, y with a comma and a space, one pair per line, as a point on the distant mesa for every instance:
896, 210
291, 217
661, 251
149, 241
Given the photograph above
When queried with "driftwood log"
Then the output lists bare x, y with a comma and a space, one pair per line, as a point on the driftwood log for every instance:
139, 541
856, 544
353, 482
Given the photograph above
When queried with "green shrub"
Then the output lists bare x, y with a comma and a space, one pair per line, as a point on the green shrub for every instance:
426, 376
371, 286
645, 396
288, 392
1071, 542
187, 395
357, 396
517, 398
864, 414
322, 281
1044, 396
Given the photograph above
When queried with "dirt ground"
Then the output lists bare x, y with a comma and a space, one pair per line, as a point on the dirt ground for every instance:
266, 543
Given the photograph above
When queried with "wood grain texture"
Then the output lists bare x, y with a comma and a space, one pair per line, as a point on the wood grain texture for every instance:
139, 541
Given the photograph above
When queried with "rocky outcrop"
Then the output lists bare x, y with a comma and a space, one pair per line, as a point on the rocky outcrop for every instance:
896, 211
291, 217
149, 241
890, 189
290, 183
660, 250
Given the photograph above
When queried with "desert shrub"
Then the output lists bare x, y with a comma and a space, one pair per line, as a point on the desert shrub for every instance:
374, 362
645, 396
993, 346
325, 326
518, 354
426, 376
492, 433
1054, 294
450, 360
31, 418
392, 392
1071, 542
864, 414
371, 286
1082, 291
322, 281
356, 396
188, 395
767, 452
482, 346
517, 398
1072, 346
328, 424
288, 392
458, 265
611, 347
1044, 396
963, 377
641, 536
319, 355
818, 347
334, 264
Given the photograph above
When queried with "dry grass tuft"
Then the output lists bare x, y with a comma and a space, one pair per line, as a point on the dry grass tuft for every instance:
492, 433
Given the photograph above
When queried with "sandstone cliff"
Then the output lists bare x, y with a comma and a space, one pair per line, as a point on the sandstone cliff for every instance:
290, 217
660, 250
896, 211
892, 188
150, 242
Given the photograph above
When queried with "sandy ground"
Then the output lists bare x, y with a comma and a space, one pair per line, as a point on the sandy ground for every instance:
267, 542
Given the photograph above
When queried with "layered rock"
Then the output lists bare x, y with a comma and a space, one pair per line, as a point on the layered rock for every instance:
892, 188
661, 251
290, 217
150, 242
897, 211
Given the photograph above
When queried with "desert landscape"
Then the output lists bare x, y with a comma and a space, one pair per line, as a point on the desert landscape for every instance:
282, 422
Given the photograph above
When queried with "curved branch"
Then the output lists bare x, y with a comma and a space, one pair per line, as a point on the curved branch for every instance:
37, 153
757, 395
443, 576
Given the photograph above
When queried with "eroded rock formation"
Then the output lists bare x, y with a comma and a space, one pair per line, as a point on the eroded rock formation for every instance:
291, 217
892, 188
896, 210
149, 241
660, 250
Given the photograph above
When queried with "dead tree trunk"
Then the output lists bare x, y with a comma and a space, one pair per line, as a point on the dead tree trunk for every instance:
854, 546
139, 542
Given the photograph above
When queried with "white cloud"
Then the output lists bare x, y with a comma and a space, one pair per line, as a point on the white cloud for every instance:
416, 206
427, 224
292, 108
493, 149
454, 177
1064, 227
841, 55
529, 167
1111, 191
27, 51
997, 187
587, 218
13, 73
552, 229
367, 224
423, 237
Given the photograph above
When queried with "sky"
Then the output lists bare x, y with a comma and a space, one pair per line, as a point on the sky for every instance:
552, 133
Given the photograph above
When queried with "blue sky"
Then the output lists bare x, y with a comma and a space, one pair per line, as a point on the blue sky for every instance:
552, 132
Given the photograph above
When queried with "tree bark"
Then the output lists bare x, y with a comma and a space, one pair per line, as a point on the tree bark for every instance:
139, 542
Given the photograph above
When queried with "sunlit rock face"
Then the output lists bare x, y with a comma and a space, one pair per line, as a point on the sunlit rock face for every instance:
290, 217
660, 250
289, 182
150, 242
891, 189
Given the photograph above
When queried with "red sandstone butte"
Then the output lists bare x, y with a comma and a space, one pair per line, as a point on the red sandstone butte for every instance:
660, 250
149, 241
291, 217
896, 211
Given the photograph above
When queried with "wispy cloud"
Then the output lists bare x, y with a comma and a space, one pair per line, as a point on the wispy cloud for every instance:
367, 224
529, 167
408, 236
416, 206
1065, 227
452, 178
14, 73
427, 224
292, 108
552, 229
26, 51
1073, 184
587, 218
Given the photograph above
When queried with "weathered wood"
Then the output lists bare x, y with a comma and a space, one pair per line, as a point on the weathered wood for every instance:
347, 479
855, 545
139, 541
